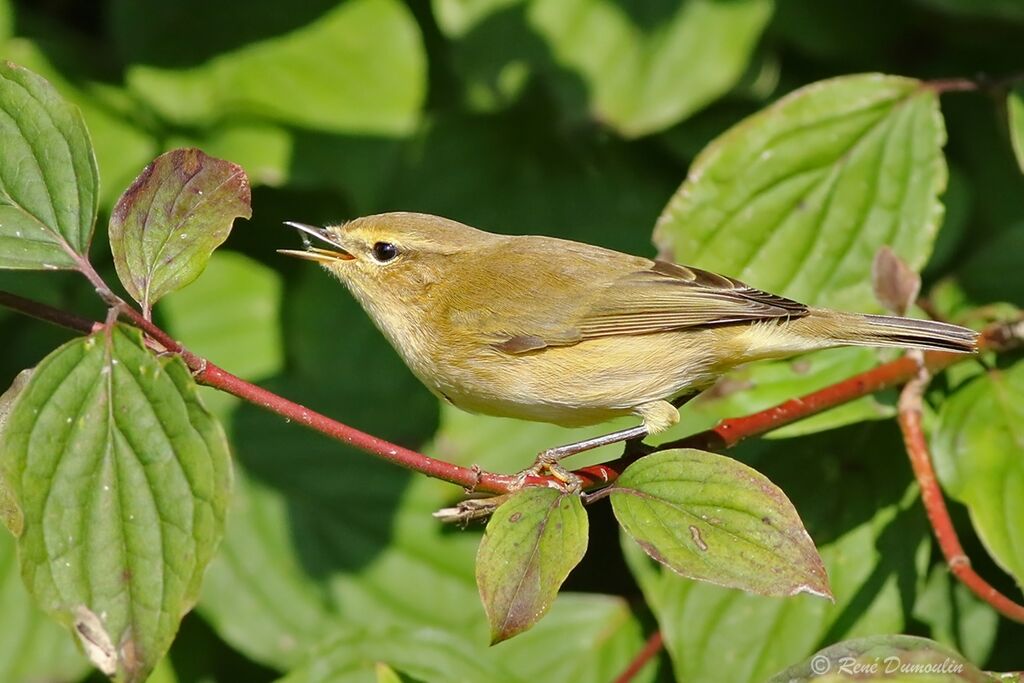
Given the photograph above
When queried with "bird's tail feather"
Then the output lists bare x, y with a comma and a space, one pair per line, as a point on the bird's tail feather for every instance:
887, 330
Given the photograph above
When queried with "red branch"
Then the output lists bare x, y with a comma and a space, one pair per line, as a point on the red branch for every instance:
651, 648
934, 504
211, 375
727, 433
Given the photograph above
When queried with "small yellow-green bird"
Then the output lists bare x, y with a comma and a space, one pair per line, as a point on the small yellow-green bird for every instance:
546, 329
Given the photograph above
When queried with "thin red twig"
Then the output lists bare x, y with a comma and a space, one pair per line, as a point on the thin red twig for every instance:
935, 505
651, 648
211, 375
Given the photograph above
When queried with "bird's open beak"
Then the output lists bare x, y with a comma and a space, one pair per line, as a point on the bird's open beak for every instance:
311, 253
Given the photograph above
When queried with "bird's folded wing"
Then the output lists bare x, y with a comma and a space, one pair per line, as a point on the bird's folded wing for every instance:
669, 297
661, 298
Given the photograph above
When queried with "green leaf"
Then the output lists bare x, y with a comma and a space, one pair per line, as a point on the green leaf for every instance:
979, 458
48, 176
602, 629
903, 659
639, 68
163, 673
235, 298
762, 385
856, 494
123, 478
120, 144
358, 67
798, 198
1015, 112
531, 544
711, 518
165, 226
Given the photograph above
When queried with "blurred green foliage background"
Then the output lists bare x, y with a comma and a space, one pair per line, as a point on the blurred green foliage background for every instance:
574, 118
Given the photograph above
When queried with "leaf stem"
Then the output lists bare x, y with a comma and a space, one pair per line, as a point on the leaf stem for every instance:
911, 399
650, 649
982, 83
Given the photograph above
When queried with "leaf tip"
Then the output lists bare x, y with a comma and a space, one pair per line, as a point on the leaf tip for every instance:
95, 640
820, 591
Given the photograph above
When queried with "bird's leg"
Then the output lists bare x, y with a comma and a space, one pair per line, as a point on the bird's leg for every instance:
553, 455
657, 417
548, 460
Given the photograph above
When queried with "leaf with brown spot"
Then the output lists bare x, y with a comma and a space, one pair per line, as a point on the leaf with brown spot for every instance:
168, 222
531, 544
95, 640
711, 518
896, 284
108, 431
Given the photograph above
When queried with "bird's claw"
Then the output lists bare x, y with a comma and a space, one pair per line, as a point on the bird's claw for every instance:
547, 464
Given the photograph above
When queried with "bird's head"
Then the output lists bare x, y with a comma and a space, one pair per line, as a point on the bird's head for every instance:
389, 255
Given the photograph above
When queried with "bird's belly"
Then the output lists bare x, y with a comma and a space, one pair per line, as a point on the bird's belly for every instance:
586, 383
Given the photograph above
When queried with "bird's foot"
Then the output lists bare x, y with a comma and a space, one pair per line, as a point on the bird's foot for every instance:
547, 464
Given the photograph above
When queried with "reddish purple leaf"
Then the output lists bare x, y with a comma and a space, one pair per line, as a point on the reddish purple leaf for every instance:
168, 222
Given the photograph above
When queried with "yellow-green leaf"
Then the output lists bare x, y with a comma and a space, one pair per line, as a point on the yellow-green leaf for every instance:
711, 518
798, 198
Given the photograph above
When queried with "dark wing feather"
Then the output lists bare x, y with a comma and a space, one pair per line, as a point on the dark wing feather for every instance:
668, 296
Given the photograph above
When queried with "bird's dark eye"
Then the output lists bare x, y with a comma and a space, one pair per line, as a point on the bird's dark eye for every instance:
384, 251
